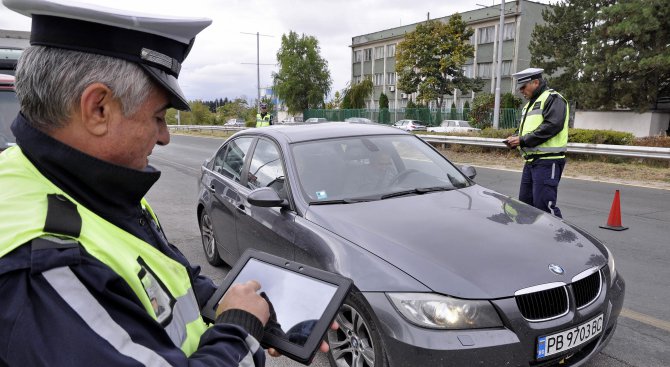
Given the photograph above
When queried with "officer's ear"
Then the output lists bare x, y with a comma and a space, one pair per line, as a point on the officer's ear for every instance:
96, 107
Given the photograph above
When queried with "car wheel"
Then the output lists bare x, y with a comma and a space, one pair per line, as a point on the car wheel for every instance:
357, 342
208, 240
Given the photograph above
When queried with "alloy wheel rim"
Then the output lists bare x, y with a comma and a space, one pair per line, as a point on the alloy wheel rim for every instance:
207, 235
351, 345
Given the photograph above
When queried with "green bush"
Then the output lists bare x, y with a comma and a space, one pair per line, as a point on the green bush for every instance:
600, 137
497, 134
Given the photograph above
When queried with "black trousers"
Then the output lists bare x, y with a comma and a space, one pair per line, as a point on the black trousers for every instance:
539, 184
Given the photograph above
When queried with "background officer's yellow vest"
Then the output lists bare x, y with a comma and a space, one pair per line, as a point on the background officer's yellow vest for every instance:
24, 199
531, 118
262, 121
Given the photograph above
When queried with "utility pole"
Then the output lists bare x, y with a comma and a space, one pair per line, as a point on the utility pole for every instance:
496, 107
258, 68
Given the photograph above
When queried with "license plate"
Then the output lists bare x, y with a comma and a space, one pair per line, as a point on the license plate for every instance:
568, 339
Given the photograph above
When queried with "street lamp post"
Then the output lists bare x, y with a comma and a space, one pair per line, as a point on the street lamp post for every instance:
258, 68
496, 107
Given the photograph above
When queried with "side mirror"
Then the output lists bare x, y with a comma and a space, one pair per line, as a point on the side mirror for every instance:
265, 197
469, 171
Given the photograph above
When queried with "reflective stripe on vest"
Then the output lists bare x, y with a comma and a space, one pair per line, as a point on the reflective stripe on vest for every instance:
531, 120
161, 284
262, 121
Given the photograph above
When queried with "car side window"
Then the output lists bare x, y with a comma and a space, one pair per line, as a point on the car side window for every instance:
266, 169
230, 159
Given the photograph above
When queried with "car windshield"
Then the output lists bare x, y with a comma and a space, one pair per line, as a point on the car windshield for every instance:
366, 168
9, 108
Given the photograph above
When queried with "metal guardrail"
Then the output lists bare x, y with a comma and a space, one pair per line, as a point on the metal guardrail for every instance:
597, 149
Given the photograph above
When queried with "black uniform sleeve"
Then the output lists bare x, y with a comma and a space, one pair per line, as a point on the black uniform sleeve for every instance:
554, 112
93, 318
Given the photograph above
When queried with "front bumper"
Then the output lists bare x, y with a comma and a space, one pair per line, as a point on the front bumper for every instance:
512, 345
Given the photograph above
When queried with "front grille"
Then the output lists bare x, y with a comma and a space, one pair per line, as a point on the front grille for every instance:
545, 304
587, 290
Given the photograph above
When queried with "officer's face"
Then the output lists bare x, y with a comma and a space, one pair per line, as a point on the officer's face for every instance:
135, 136
529, 88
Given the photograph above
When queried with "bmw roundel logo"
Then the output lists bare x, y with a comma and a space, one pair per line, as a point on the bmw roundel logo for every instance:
556, 269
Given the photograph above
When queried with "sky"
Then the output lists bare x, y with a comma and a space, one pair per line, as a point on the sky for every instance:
222, 62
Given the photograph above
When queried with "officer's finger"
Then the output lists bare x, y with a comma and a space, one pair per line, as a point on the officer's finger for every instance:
256, 286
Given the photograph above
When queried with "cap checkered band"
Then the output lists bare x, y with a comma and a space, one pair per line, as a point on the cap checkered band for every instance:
161, 59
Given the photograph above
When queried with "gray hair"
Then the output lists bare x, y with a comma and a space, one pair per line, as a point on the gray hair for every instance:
50, 82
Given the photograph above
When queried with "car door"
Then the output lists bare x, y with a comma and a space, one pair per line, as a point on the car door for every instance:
271, 230
224, 184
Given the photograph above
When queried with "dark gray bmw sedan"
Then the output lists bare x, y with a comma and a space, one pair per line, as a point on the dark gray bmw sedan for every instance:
446, 272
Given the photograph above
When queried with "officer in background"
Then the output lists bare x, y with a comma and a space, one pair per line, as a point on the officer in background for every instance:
542, 140
264, 118
87, 276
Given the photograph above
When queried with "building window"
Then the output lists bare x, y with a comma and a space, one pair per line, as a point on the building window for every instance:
486, 34
379, 79
379, 52
390, 50
484, 70
472, 38
390, 78
368, 54
506, 68
358, 56
467, 70
509, 31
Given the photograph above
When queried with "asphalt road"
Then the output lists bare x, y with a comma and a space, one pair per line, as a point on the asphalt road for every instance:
642, 254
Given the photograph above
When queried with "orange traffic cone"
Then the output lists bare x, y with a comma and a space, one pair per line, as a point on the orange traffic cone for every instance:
614, 220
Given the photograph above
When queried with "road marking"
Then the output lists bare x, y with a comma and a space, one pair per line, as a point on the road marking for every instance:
645, 319
153, 157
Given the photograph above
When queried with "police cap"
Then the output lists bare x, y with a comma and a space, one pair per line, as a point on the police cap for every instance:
158, 44
524, 76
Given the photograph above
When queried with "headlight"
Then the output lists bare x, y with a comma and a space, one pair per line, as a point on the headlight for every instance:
611, 266
441, 312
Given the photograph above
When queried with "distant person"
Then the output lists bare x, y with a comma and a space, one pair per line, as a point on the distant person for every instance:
542, 140
264, 118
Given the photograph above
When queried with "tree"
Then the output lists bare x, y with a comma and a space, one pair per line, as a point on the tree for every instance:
384, 114
383, 101
605, 53
336, 102
482, 110
509, 100
303, 79
430, 60
356, 94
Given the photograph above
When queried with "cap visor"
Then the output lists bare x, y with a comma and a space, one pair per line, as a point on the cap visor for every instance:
167, 81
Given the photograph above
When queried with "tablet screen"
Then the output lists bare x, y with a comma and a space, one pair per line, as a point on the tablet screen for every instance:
299, 301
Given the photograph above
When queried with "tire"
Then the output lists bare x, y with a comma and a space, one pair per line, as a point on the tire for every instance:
209, 244
357, 342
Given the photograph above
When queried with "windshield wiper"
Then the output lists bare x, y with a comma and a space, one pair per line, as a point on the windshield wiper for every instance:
343, 201
416, 191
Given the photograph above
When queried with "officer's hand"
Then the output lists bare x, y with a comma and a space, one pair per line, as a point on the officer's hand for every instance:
244, 297
323, 347
512, 141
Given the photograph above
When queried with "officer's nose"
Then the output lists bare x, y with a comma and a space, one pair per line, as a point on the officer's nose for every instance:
163, 135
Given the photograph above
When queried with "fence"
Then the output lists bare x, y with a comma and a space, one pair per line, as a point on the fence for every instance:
509, 117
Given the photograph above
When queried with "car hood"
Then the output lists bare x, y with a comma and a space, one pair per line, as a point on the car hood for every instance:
470, 243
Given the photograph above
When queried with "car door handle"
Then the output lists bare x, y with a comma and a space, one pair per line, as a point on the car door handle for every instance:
211, 188
241, 209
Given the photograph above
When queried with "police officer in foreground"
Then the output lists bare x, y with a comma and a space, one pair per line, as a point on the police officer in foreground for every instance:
264, 118
542, 140
87, 276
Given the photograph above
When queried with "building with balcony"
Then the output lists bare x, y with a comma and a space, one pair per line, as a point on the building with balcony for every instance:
373, 55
